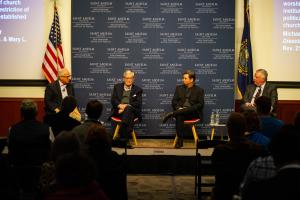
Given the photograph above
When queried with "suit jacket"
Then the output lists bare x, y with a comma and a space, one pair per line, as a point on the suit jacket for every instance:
269, 91
53, 96
196, 98
29, 143
135, 99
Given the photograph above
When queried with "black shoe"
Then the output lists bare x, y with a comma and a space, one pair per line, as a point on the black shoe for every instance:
179, 144
167, 116
129, 146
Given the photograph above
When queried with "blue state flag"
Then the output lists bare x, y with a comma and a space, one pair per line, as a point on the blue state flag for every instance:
245, 68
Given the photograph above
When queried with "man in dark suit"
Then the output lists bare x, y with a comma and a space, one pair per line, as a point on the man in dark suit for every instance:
187, 103
56, 91
260, 88
126, 101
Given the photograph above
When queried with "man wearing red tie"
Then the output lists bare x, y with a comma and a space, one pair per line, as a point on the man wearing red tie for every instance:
260, 88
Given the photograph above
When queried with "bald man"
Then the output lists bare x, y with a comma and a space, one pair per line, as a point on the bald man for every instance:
57, 91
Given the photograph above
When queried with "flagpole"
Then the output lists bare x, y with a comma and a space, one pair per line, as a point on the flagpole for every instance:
57, 68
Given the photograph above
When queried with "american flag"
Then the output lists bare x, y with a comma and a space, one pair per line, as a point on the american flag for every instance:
53, 59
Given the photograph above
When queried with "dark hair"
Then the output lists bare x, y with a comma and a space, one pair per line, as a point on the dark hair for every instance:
285, 146
94, 109
263, 105
98, 139
74, 170
65, 142
236, 125
28, 109
191, 74
252, 120
297, 121
68, 104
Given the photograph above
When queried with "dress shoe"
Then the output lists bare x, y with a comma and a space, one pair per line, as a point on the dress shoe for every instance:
167, 116
179, 144
128, 145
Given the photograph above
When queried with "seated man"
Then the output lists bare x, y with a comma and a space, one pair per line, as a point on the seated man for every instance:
126, 103
57, 91
187, 103
260, 88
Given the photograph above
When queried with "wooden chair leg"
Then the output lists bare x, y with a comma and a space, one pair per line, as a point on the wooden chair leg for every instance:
195, 134
116, 133
134, 137
212, 133
175, 140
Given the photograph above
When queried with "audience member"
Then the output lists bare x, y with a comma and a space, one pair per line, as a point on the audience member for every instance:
75, 175
285, 149
61, 121
29, 140
297, 121
93, 110
230, 161
65, 142
252, 129
269, 124
110, 166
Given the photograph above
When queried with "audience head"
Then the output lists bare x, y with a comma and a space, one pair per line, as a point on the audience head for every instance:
297, 121
94, 109
28, 109
260, 77
263, 105
189, 78
252, 120
65, 142
97, 139
236, 125
64, 76
285, 146
128, 77
68, 104
74, 170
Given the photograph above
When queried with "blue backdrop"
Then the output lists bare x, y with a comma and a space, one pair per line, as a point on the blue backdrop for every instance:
158, 40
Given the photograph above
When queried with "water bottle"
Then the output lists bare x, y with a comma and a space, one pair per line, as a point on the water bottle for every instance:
217, 118
212, 118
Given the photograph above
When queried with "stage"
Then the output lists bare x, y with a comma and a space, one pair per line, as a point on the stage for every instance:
158, 156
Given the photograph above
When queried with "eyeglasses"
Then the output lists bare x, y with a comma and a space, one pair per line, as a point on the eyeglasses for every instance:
67, 76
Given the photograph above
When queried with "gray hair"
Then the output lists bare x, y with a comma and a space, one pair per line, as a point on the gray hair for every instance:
128, 71
28, 109
264, 72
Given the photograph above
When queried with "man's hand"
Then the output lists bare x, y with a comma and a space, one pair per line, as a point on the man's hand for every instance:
122, 107
249, 104
56, 110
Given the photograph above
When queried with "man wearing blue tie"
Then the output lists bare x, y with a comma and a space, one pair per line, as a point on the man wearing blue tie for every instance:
260, 88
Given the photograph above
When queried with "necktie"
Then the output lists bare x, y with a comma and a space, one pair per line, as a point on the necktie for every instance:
258, 93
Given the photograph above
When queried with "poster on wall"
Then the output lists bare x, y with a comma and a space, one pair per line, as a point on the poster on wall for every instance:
158, 40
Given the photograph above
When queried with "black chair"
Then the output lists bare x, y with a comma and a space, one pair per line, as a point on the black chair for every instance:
202, 144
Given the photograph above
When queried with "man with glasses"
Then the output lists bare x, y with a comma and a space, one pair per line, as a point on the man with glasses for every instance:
126, 101
57, 91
